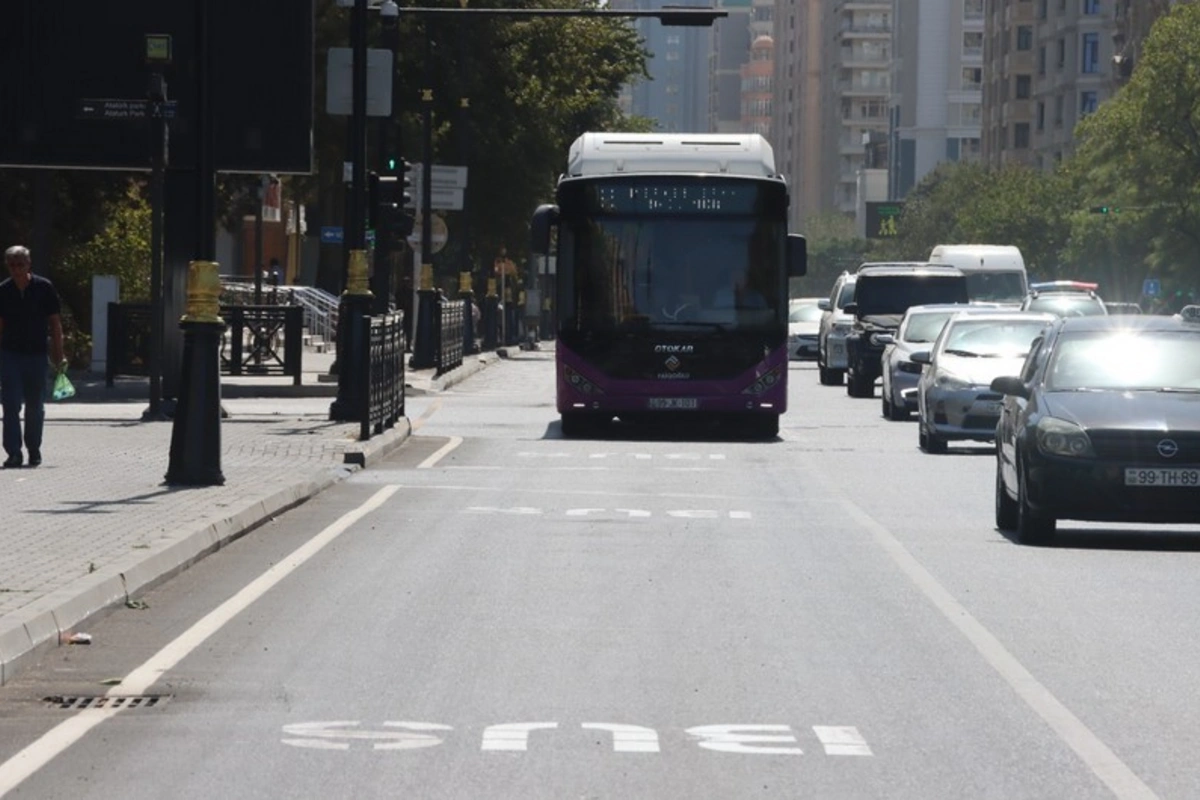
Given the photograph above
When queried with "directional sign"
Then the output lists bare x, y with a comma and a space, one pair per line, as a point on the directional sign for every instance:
1151, 287
121, 109
336, 234
442, 198
444, 175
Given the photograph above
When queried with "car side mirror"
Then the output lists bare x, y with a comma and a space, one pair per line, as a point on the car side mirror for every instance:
921, 357
824, 304
1010, 384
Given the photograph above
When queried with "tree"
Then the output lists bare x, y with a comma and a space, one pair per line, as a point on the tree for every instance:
1140, 151
833, 248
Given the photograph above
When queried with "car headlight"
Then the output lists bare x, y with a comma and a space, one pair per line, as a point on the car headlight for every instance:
1057, 437
841, 327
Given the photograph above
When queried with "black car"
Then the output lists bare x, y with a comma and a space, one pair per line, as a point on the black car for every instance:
1102, 424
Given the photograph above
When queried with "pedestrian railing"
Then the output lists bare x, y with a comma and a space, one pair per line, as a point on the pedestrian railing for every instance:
127, 350
448, 322
262, 340
382, 390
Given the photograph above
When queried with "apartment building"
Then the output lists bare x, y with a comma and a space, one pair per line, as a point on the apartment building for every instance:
757, 79
857, 93
797, 127
1050, 63
731, 38
936, 88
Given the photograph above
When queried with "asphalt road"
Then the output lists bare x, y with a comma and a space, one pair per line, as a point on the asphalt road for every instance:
498, 612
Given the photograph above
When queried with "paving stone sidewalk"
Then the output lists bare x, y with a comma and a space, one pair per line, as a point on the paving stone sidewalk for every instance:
103, 476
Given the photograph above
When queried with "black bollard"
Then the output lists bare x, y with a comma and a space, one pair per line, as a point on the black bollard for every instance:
468, 300
490, 316
195, 458
353, 306
425, 348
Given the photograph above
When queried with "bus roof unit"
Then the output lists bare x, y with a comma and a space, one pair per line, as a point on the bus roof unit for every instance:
594, 154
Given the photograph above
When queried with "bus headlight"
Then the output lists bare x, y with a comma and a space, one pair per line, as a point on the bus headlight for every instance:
580, 383
765, 382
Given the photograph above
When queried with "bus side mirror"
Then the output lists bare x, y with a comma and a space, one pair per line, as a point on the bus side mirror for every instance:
797, 255
544, 219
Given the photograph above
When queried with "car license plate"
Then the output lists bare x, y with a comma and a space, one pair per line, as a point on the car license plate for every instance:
1161, 476
672, 403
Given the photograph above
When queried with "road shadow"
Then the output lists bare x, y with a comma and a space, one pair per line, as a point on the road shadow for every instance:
665, 430
1134, 539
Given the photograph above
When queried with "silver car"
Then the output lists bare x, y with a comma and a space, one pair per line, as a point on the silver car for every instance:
804, 320
919, 328
954, 396
835, 326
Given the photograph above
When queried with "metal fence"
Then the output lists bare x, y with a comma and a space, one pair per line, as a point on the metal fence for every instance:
382, 390
448, 321
262, 340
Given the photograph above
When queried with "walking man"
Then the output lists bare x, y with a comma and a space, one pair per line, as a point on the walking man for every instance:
30, 325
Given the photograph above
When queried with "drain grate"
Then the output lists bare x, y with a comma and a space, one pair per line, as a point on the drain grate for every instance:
79, 702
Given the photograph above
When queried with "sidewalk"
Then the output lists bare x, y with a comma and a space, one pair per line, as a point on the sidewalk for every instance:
95, 524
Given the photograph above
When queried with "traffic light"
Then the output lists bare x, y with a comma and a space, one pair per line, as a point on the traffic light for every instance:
1105, 210
387, 197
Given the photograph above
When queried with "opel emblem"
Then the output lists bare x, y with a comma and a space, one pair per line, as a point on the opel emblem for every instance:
673, 364
1167, 448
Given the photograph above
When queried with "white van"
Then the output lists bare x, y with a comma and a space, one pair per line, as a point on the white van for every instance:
995, 272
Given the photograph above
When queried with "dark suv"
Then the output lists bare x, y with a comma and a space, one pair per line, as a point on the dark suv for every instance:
882, 295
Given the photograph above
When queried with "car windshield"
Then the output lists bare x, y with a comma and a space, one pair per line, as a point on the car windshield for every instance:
1126, 360
804, 312
846, 295
986, 338
1081, 306
925, 327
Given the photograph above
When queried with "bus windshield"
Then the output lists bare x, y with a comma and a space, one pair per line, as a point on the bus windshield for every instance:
658, 255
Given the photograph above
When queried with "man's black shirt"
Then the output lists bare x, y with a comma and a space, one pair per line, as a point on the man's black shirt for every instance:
25, 315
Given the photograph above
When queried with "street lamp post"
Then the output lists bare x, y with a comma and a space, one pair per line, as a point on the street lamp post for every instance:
424, 355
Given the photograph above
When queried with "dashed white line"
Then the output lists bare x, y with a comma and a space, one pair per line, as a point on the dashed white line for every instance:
842, 740
441, 452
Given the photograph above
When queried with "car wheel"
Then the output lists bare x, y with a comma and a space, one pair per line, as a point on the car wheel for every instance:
1032, 528
1006, 507
830, 377
896, 412
934, 444
885, 408
857, 386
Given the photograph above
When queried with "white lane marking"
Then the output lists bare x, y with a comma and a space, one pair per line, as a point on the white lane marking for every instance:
454, 442
633, 512
740, 515
41, 751
747, 739
410, 738
628, 738
1102, 761
583, 512
512, 735
693, 513
338, 735
498, 510
842, 740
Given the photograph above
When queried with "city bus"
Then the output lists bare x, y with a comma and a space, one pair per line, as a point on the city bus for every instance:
672, 266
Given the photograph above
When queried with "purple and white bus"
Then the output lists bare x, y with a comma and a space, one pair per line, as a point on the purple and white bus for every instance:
672, 263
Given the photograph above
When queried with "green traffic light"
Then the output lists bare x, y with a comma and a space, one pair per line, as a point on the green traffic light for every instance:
391, 165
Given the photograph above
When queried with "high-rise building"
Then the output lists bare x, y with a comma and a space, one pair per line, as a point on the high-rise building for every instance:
757, 78
857, 94
936, 87
1050, 63
731, 38
797, 127
676, 96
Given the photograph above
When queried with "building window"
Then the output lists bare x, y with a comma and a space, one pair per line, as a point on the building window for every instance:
1042, 9
1025, 37
1021, 136
1058, 110
1041, 61
1062, 53
1088, 100
972, 9
1041, 116
1091, 53
972, 77
1024, 87
1091, 6
973, 43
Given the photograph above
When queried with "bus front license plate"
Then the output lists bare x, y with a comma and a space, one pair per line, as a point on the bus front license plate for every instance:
672, 403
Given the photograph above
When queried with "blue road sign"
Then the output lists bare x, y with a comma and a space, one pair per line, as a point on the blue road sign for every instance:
335, 234
1151, 287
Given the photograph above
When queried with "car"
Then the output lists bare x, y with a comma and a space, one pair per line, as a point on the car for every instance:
955, 400
995, 273
804, 322
881, 296
1065, 298
919, 328
834, 326
1101, 424
1122, 308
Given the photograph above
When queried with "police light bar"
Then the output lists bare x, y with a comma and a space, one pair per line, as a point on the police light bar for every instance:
1064, 286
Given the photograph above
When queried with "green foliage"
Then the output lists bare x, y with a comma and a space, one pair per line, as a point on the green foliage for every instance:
832, 249
121, 248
